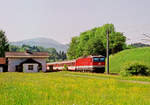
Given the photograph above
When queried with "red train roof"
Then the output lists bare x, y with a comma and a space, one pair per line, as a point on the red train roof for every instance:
91, 56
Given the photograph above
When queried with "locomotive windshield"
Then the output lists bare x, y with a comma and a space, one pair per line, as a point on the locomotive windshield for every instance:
97, 59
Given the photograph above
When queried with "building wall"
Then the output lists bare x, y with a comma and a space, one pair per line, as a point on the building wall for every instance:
13, 62
43, 63
1, 69
26, 69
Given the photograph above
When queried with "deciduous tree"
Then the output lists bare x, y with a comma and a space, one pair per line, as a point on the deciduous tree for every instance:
93, 42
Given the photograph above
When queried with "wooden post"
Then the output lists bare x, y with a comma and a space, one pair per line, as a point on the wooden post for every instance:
107, 52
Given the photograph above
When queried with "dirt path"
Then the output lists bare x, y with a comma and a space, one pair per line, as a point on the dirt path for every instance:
129, 81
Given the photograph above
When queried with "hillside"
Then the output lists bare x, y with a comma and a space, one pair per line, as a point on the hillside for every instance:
136, 54
44, 42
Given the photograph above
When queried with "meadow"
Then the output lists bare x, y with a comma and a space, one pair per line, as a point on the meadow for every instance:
72, 88
130, 55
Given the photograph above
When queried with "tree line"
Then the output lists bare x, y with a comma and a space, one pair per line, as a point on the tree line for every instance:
90, 42
53, 54
93, 42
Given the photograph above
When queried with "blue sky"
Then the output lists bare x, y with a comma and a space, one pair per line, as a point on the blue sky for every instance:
63, 19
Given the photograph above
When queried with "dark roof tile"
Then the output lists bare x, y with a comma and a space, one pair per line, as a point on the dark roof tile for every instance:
26, 54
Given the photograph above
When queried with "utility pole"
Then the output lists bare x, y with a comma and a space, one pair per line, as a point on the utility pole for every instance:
107, 51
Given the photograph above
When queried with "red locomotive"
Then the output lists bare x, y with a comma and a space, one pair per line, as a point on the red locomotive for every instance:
90, 63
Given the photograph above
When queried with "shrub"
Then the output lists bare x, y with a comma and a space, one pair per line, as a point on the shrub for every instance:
135, 68
65, 67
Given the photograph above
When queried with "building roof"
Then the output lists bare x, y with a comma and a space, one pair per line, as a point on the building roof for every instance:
2, 60
26, 54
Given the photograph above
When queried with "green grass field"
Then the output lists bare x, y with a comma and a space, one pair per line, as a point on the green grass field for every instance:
72, 88
130, 55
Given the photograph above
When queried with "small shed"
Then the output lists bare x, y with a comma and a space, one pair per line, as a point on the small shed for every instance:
2, 64
26, 61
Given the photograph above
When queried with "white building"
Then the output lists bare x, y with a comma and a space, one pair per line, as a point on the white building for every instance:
26, 61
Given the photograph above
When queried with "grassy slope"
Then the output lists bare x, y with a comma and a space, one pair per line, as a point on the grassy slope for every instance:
67, 88
137, 54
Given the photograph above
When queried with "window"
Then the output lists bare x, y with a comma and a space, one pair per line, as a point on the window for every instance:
96, 59
30, 67
102, 59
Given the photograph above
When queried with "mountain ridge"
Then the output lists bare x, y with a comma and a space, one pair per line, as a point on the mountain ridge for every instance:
42, 41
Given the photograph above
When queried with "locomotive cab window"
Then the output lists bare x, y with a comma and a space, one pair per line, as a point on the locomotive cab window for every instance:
96, 59
102, 59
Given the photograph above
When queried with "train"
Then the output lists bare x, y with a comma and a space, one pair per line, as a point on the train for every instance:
82, 64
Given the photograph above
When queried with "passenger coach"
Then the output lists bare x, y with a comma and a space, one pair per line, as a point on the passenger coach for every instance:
90, 63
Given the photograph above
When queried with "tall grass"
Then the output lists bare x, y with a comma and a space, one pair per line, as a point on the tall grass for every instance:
62, 88
136, 54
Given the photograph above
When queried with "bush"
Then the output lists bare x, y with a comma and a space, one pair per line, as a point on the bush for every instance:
135, 68
65, 67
